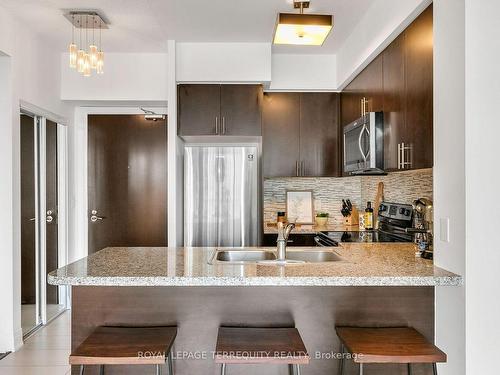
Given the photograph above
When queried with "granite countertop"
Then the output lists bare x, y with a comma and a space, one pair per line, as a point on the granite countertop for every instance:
270, 228
363, 264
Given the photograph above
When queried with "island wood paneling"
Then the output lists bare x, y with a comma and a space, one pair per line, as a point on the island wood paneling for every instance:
199, 311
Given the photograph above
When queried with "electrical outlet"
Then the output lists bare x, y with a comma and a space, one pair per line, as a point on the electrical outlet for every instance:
444, 229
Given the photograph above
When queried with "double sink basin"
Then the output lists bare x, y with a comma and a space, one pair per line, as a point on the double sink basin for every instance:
294, 255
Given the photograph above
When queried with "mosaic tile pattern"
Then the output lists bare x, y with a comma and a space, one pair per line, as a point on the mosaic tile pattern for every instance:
327, 194
401, 187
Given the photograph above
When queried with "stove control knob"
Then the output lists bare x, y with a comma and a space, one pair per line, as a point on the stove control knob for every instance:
382, 207
402, 211
407, 212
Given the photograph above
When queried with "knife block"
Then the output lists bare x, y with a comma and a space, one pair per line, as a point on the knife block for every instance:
353, 219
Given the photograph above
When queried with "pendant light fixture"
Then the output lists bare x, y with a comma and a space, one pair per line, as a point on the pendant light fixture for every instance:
301, 28
86, 56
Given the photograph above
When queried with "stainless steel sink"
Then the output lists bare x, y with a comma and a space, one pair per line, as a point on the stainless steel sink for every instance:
242, 256
313, 256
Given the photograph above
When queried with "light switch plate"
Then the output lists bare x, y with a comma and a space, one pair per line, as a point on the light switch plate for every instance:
444, 229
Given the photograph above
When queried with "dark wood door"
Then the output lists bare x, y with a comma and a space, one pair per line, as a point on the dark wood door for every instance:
51, 194
241, 110
394, 101
319, 134
28, 265
127, 181
198, 110
280, 134
419, 90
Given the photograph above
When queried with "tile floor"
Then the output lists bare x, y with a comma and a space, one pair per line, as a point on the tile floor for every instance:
44, 353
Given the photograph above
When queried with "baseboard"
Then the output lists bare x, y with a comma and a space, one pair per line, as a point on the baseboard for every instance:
18, 339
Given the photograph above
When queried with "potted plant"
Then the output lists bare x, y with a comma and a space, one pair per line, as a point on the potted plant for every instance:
321, 218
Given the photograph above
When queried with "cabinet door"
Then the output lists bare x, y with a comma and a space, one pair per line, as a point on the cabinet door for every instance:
419, 84
241, 110
198, 109
319, 134
280, 134
370, 85
394, 101
350, 107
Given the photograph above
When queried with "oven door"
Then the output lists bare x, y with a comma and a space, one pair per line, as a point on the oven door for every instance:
356, 146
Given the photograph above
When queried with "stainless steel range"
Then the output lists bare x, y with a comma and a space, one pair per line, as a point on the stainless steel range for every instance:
393, 219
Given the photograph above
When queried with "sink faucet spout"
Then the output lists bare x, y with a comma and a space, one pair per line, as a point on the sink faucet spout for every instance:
283, 233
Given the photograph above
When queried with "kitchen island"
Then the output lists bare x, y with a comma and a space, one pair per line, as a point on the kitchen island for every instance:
372, 285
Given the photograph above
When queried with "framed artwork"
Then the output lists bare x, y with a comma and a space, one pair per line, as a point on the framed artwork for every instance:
299, 206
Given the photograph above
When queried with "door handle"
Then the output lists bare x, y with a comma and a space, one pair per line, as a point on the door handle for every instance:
223, 125
50, 216
297, 171
216, 125
94, 217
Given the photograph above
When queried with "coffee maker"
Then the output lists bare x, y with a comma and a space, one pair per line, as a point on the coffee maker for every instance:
423, 225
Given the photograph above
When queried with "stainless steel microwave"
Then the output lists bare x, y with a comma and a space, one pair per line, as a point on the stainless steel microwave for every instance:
364, 145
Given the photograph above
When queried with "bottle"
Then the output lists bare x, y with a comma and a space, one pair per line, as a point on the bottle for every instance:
281, 217
369, 216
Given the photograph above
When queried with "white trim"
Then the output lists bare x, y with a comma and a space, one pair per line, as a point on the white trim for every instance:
62, 206
80, 136
41, 219
34, 110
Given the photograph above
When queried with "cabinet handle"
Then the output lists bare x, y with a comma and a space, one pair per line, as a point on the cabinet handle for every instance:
399, 155
302, 168
223, 125
216, 125
297, 172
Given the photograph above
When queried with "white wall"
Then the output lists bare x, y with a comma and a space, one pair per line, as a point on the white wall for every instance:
482, 132
449, 175
303, 72
377, 28
127, 76
34, 77
223, 62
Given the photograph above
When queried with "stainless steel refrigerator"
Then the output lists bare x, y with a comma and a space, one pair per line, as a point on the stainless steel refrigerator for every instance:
221, 196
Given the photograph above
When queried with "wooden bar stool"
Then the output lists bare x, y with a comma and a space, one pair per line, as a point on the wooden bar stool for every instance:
388, 345
126, 346
237, 345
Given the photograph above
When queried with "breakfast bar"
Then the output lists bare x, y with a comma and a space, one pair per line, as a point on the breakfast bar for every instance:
366, 285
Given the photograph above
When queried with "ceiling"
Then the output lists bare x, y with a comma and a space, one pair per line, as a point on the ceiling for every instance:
145, 25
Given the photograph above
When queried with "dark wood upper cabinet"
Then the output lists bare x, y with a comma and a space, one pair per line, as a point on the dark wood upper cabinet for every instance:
319, 134
300, 134
399, 82
241, 110
198, 109
394, 101
419, 90
280, 134
219, 110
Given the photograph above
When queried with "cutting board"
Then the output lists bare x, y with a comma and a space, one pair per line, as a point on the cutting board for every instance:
379, 198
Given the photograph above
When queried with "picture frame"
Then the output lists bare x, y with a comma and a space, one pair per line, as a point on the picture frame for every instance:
299, 206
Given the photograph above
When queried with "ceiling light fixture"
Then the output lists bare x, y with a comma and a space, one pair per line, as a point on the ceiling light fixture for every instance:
301, 28
88, 56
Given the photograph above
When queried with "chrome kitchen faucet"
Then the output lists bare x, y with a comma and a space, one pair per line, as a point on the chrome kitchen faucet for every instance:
283, 233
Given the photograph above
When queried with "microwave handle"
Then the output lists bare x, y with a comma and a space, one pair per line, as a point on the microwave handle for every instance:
359, 143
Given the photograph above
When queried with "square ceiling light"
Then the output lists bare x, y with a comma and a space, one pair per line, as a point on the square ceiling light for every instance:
302, 29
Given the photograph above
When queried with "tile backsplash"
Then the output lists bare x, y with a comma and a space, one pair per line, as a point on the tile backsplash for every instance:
401, 187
